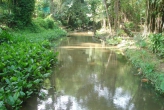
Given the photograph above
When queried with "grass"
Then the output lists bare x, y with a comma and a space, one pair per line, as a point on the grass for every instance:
144, 58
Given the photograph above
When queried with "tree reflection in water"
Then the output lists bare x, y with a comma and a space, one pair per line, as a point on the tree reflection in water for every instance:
92, 77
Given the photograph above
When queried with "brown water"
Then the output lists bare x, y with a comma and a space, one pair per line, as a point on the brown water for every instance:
93, 77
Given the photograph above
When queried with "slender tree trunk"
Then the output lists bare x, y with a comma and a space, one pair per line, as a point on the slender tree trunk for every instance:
52, 7
116, 10
104, 23
108, 17
162, 24
147, 21
161, 19
94, 27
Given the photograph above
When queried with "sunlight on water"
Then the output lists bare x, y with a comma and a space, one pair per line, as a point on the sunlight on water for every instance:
122, 99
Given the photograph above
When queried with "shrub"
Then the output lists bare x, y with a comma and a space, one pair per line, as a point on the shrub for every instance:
4, 36
114, 40
50, 22
41, 22
157, 44
120, 32
140, 41
22, 12
129, 25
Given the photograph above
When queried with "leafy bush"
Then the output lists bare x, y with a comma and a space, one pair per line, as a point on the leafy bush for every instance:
114, 40
4, 36
157, 44
120, 32
50, 22
156, 40
22, 12
41, 22
129, 25
141, 42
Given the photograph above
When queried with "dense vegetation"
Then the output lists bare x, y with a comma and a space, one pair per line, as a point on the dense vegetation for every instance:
25, 61
26, 54
28, 26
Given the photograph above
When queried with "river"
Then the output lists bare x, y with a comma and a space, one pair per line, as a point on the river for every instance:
92, 76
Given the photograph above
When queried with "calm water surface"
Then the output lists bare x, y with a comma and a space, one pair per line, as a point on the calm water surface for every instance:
92, 77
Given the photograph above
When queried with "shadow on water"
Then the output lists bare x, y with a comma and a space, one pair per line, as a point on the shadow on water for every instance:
92, 77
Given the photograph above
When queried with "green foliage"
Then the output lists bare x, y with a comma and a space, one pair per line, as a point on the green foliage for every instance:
114, 40
40, 22
23, 69
45, 35
157, 41
50, 22
39, 25
162, 85
140, 41
4, 36
22, 12
47, 23
25, 62
157, 44
129, 25
141, 59
120, 32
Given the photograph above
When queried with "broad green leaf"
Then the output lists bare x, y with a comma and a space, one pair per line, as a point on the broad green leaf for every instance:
11, 100
28, 93
37, 81
22, 93
1, 90
7, 80
14, 78
16, 95
29, 85
46, 75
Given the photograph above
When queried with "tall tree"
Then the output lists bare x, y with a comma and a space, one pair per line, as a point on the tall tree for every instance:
23, 11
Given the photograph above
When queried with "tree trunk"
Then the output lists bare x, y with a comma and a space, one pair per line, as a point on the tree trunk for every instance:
146, 21
108, 17
104, 23
116, 10
161, 22
155, 16
52, 7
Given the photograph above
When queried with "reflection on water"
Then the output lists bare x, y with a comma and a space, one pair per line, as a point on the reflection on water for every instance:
91, 77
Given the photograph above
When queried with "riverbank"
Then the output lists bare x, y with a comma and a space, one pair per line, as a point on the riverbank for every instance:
138, 51
27, 58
